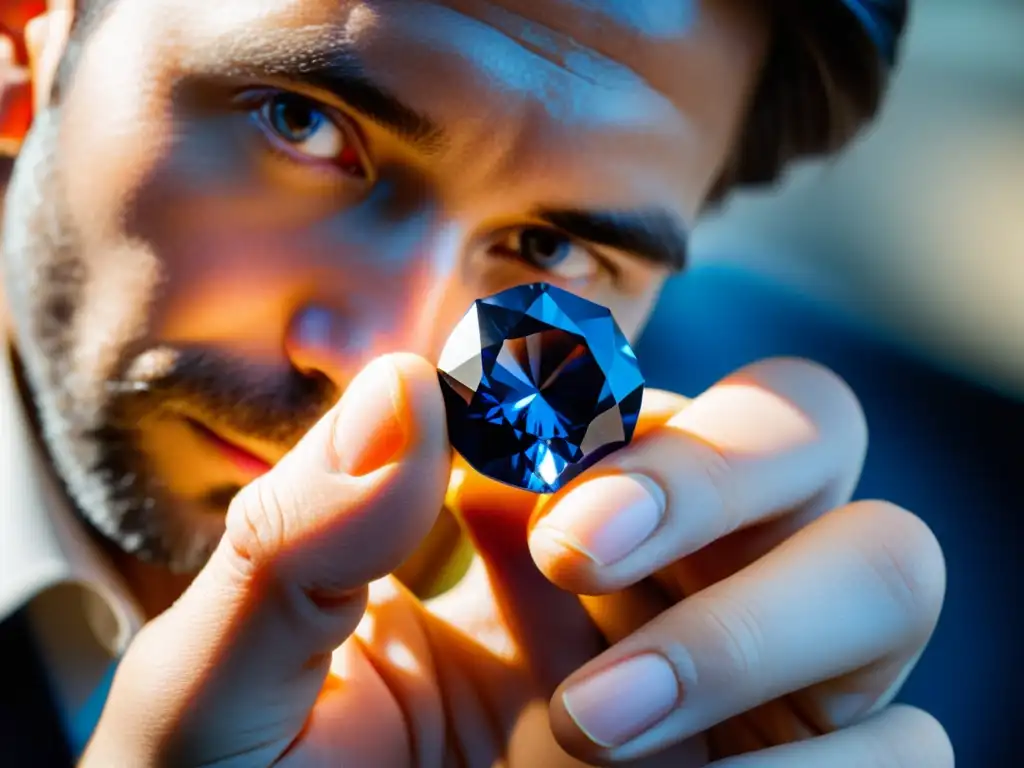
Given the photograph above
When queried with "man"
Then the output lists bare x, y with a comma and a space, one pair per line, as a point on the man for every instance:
224, 212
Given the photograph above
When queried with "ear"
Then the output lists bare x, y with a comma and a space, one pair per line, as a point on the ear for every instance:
33, 34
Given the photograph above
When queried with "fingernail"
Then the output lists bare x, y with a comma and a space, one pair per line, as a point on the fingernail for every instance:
369, 432
622, 702
607, 518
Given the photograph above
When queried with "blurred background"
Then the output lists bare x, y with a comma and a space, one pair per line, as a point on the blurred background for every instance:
900, 265
919, 230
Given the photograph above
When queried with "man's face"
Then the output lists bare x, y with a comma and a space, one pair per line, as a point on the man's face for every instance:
237, 204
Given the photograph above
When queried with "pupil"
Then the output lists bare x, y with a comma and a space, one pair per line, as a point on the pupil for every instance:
543, 246
295, 119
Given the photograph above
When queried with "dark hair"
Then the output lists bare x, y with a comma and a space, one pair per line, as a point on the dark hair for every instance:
827, 71
824, 80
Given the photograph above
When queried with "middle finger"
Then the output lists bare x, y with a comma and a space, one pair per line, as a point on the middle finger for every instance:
776, 437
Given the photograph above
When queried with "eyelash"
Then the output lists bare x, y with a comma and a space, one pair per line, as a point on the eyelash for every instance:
255, 102
502, 250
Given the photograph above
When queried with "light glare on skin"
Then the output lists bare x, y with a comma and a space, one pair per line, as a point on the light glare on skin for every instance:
730, 409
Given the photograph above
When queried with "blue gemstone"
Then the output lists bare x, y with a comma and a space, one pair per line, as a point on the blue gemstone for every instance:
539, 384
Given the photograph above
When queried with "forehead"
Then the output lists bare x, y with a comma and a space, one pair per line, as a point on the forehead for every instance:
658, 80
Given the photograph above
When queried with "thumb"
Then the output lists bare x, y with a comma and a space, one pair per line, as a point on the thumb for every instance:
550, 628
233, 669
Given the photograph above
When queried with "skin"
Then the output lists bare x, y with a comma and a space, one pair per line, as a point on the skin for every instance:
803, 612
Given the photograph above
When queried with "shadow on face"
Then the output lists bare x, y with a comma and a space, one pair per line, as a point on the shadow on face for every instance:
245, 202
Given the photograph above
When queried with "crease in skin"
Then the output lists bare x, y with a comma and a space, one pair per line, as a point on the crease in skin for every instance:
585, 103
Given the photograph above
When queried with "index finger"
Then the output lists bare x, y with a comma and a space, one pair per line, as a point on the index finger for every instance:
238, 661
774, 438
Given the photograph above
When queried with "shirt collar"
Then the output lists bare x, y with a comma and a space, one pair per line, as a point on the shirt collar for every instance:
43, 544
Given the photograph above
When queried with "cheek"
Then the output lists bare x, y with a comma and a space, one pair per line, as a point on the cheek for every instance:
112, 136
112, 133
123, 276
230, 287
115, 312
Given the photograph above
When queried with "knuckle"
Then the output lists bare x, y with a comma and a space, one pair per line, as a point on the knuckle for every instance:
711, 490
735, 643
255, 526
905, 555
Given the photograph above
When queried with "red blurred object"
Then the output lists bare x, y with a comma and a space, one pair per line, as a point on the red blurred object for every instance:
15, 87
15, 110
14, 16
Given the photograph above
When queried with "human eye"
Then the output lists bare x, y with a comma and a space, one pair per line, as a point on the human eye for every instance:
550, 251
307, 131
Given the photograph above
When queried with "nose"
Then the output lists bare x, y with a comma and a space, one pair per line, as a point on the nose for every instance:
410, 315
316, 343
402, 293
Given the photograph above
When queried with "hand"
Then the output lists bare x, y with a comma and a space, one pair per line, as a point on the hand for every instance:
236, 672
230, 674
753, 609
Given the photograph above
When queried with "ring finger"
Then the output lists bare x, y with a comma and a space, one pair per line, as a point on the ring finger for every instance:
856, 591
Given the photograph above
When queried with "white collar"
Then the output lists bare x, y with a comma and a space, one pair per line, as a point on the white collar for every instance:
42, 542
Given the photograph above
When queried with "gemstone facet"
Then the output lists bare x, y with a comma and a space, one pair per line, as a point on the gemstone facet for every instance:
539, 384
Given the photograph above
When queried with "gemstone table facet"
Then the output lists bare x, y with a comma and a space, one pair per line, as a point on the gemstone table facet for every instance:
539, 384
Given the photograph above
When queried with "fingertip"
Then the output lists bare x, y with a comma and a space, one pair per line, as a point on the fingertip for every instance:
932, 745
594, 538
411, 365
565, 563
416, 397
391, 413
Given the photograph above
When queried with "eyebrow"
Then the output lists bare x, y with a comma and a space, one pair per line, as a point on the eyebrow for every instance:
654, 236
337, 71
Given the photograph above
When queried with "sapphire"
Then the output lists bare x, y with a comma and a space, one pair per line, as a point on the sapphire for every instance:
539, 384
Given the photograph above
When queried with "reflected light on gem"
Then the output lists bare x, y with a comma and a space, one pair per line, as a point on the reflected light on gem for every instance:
539, 384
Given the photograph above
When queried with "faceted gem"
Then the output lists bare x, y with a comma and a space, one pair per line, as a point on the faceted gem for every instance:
539, 384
